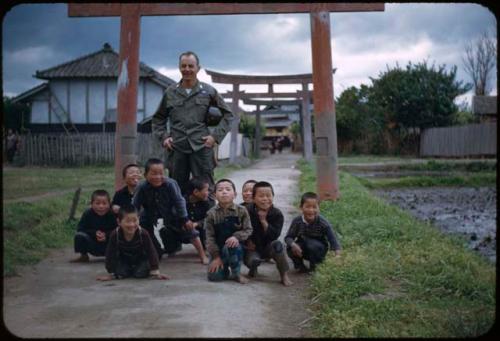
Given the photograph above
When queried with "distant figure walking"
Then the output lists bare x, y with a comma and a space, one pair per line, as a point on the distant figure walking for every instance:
12, 142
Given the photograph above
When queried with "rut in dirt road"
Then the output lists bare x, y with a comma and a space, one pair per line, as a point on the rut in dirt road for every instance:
56, 298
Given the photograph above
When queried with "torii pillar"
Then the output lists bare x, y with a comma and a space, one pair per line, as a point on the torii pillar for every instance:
326, 135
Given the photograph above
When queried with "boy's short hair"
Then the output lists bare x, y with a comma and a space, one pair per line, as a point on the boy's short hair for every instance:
196, 183
225, 180
308, 195
99, 193
261, 184
130, 165
251, 181
126, 209
151, 162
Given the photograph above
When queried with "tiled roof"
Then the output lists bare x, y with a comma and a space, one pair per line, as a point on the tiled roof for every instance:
103, 63
30, 93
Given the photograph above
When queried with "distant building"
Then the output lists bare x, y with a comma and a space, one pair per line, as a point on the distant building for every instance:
485, 107
80, 95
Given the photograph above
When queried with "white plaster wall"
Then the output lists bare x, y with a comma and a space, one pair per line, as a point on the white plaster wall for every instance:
40, 111
154, 94
111, 94
96, 101
77, 105
223, 152
59, 90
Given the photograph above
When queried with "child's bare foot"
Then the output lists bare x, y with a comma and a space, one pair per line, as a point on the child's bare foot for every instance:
204, 260
241, 279
285, 280
83, 258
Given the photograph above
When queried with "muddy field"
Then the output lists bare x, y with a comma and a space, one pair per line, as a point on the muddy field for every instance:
467, 211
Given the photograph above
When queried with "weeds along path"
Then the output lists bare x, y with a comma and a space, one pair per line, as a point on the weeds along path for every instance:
58, 299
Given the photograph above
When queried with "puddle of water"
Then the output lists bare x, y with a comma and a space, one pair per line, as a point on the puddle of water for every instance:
465, 210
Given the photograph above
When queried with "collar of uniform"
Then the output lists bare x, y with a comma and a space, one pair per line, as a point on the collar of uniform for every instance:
232, 207
196, 87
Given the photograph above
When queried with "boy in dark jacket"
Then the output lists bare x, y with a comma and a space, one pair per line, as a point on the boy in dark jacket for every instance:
310, 235
94, 227
198, 203
228, 225
130, 251
161, 198
267, 223
131, 175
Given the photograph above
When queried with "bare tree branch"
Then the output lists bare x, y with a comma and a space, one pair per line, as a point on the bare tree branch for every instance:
479, 62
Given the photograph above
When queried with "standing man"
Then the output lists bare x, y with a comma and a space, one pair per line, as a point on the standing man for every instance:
188, 141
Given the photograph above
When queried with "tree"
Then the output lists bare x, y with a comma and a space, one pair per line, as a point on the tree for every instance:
479, 62
418, 97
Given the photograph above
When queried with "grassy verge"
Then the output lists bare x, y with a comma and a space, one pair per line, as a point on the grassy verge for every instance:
468, 180
31, 229
397, 276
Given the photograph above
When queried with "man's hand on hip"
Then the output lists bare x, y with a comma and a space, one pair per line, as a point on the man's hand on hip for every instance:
209, 141
167, 143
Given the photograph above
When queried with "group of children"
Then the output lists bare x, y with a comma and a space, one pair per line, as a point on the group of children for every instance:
148, 218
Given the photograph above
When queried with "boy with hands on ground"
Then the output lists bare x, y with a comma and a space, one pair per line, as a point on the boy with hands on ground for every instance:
130, 251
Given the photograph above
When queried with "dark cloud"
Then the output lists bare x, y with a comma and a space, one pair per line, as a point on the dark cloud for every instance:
260, 44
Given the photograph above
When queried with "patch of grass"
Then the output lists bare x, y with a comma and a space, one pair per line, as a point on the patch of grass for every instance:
397, 276
465, 180
30, 181
466, 166
369, 159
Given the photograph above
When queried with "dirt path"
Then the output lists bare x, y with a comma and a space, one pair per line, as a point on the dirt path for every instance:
59, 299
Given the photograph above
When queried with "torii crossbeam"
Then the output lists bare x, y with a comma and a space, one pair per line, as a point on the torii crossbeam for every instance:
130, 13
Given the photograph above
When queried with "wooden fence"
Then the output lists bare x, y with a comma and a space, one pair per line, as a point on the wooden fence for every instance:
81, 149
467, 140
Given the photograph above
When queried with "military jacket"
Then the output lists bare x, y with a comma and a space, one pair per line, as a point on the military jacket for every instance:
182, 116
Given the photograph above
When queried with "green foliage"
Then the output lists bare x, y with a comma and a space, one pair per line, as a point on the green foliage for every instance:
248, 125
397, 276
455, 180
420, 96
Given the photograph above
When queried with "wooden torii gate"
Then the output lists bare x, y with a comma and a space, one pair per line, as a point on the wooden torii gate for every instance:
236, 95
258, 104
130, 14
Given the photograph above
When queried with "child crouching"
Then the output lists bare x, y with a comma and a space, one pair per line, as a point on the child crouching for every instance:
130, 251
227, 225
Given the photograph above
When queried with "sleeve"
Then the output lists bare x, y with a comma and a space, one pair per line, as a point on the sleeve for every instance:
332, 240
178, 200
115, 199
212, 247
153, 259
275, 225
246, 226
159, 120
228, 116
291, 233
111, 253
84, 225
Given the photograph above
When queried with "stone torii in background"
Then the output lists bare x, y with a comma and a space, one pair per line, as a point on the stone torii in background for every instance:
236, 95
324, 111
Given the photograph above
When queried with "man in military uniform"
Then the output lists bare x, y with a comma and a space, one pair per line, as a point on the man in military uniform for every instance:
188, 141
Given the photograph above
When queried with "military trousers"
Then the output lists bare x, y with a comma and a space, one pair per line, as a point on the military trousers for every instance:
198, 164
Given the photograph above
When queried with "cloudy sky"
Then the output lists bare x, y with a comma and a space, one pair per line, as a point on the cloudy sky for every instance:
39, 36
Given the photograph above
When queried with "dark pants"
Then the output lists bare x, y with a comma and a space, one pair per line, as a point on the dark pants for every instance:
10, 154
173, 238
275, 250
231, 259
199, 164
85, 243
312, 250
126, 269
203, 236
